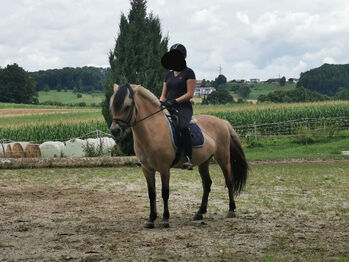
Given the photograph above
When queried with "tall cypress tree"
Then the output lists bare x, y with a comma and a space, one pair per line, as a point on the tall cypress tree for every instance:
136, 57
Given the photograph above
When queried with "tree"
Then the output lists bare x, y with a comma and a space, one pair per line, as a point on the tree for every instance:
220, 80
343, 94
17, 86
136, 57
282, 81
290, 96
326, 79
221, 96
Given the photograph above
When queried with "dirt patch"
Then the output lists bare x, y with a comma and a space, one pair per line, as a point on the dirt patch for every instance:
99, 221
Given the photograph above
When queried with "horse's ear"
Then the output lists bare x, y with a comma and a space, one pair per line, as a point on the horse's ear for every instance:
116, 87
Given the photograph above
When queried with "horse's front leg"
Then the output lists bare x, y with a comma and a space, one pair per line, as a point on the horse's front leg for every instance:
150, 177
165, 181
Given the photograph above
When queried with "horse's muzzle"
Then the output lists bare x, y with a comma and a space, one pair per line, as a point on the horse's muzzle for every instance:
116, 131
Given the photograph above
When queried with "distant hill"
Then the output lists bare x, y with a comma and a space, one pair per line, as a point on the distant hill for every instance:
85, 79
326, 79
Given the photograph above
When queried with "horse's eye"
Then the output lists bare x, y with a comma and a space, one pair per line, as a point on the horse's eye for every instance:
127, 108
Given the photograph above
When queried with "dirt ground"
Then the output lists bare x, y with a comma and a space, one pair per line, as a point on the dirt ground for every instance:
97, 215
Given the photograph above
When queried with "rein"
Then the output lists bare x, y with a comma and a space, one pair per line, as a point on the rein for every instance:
127, 123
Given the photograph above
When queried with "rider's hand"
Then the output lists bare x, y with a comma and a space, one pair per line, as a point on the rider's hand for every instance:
170, 103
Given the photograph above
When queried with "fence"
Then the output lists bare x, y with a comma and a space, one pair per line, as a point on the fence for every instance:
326, 127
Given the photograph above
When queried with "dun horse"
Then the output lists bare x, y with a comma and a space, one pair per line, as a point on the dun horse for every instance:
133, 106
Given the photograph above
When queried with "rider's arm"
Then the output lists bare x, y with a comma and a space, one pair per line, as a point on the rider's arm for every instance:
190, 91
163, 93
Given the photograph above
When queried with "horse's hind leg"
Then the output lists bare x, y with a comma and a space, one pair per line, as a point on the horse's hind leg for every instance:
226, 168
206, 184
150, 177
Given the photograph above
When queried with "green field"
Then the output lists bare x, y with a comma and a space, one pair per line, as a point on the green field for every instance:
266, 88
68, 97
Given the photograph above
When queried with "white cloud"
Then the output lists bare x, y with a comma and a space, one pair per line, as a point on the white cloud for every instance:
250, 39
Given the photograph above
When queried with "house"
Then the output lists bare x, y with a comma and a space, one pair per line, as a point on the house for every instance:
293, 80
255, 80
198, 83
202, 91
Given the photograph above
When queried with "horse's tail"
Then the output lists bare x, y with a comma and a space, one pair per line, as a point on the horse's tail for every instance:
238, 162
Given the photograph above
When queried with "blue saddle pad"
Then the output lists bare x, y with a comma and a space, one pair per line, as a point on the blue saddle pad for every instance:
197, 138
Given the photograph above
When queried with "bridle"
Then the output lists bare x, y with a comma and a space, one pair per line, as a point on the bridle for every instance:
126, 123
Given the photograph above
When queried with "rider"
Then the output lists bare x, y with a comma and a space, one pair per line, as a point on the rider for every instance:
178, 88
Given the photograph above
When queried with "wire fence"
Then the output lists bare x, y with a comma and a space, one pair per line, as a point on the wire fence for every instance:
306, 127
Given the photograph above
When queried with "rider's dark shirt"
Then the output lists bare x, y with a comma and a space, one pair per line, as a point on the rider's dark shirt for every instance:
176, 86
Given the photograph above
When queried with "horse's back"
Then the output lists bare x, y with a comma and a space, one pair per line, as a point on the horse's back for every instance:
213, 125
216, 132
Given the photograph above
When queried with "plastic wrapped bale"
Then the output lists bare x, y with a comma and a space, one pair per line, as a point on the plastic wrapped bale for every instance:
17, 150
51, 149
108, 144
93, 147
75, 148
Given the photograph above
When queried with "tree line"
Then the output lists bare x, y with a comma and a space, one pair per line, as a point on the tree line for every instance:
83, 80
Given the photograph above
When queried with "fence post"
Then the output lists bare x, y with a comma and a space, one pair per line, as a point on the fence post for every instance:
306, 133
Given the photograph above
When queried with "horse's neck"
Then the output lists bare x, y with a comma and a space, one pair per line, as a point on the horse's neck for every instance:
145, 109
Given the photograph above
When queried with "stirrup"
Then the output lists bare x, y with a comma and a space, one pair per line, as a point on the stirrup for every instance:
188, 165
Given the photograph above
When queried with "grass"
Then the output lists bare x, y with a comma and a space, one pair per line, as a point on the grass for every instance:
68, 97
286, 148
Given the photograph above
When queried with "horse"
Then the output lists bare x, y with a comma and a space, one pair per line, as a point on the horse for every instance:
135, 107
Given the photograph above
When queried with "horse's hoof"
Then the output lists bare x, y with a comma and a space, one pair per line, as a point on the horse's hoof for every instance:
231, 214
198, 216
164, 224
149, 224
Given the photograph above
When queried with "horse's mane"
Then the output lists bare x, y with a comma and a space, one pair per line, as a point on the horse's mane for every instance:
146, 94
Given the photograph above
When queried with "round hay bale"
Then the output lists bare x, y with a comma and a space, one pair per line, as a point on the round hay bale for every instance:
8, 151
17, 150
75, 148
51, 149
32, 150
2, 150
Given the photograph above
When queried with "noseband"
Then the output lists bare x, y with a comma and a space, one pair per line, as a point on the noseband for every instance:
127, 122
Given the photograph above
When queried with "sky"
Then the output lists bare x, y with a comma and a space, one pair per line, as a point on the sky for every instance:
247, 38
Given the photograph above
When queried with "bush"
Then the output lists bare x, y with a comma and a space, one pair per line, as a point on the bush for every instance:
218, 97
296, 95
343, 94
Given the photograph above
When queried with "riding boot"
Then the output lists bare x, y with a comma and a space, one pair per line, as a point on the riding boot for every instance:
187, 145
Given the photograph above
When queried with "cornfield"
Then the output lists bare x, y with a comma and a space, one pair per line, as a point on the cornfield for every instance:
63, 124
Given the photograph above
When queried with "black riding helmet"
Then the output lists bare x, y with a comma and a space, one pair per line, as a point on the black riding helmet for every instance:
175, 58
180, 48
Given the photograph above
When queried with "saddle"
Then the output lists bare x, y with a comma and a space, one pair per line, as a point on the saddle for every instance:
197, 137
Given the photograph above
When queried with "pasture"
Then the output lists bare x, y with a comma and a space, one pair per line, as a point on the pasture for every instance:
69, 97
288, 212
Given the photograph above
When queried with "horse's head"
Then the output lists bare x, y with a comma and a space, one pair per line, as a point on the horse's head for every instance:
123, 109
